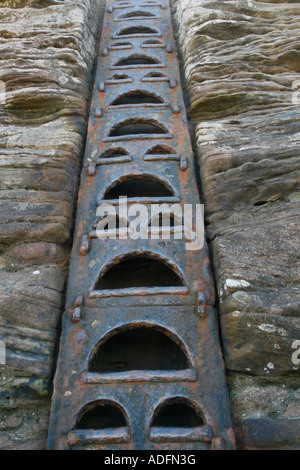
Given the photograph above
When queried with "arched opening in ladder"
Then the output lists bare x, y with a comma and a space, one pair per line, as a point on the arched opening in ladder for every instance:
133, 31
112, 222
151, 3
140, 186
152, 43
137, 97
119, 78
138, 128
155, 75
136, 15
121, 45
101, 414
114, 153
177, 412
142, 270
166, 220
109, 225
138, 60
139, 347
161, 150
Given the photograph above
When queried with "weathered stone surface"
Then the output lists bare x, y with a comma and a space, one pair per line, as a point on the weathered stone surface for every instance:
47, 54
30, 305
241, 63
31, 254
261, 407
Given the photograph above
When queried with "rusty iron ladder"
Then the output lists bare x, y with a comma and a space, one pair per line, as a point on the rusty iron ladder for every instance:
140, 365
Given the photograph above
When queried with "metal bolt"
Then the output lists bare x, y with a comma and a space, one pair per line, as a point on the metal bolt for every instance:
91, 170
98, 112
201, 304
201, 298
84, 247
201, 311
76, 316
183, 163
101, 86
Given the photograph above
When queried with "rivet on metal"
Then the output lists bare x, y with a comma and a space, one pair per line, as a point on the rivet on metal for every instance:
176, 109
183, 163
110, 9
76, 315
101, 86
84, 247
91, 169
173, 83
201, 301
105, 51
201, 311
98, 112
201, 298
169, 48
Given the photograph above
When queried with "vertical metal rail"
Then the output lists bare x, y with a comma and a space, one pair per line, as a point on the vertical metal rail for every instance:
140, 365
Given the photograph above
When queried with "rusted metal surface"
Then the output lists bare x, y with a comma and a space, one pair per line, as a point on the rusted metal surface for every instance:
138, 129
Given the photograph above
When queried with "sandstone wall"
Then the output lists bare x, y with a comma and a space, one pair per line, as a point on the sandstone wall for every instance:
241, 68
47, 51
241, 64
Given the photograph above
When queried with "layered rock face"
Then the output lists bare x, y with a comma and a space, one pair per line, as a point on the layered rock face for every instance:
47, 54
241, 63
